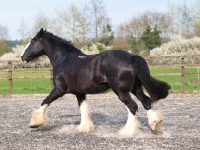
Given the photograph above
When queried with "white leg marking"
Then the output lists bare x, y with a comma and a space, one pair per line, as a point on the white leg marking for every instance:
131, 126
155, 121
86, 124
39, 117
25, 49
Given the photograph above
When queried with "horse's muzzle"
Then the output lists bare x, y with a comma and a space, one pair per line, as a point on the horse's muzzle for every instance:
22, 58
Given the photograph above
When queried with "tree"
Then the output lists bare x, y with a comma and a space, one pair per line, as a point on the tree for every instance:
150, 38
74, 16
70, 20
186, 20
196, 28
183, 17
3, 33
98, 17
107, 35
23, 31
41, 21
84, 24
4, 47
133, 44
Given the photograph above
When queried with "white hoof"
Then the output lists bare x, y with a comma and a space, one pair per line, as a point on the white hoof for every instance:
129, 130
39, 117
85, 128
155, 121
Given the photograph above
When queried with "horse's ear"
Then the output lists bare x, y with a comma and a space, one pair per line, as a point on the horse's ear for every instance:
41, 33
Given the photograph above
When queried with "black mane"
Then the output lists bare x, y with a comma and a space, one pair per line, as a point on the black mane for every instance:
62, 40
59, 38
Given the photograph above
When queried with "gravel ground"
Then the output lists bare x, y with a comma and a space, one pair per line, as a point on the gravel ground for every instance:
181, 124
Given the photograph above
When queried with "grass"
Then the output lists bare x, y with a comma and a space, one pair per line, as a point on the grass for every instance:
32, 86
26, 86
175, 80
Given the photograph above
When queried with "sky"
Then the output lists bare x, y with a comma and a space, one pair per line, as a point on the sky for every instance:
12, 12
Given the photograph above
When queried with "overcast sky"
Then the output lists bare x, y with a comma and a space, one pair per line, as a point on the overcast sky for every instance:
13, 11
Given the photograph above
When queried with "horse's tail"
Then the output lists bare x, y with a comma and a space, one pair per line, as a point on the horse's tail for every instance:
156, 89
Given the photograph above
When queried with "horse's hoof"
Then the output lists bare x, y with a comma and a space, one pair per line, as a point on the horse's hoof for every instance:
155, 121
158, 127
85, 129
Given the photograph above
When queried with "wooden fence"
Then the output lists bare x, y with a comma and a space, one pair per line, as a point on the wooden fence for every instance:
150, 60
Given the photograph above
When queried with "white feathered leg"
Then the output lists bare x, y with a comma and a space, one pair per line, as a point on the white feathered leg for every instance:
155, 121
39, 117
131, 126
86, 124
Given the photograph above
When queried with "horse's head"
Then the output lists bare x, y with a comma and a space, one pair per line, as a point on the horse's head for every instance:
34, 49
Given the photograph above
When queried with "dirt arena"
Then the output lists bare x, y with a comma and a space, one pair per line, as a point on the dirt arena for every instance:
181, 124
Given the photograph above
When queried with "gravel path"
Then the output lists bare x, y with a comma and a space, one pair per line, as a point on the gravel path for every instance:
181, 124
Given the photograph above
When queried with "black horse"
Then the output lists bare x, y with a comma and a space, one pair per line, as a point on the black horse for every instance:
80, 74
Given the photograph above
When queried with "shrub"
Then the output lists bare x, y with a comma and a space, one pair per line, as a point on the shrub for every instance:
91, 48
178, 46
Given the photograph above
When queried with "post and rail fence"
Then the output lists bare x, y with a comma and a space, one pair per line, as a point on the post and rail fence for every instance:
150, 60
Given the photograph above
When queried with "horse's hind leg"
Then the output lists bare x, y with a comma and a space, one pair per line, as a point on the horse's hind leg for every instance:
155, 119
132, 123
86, 124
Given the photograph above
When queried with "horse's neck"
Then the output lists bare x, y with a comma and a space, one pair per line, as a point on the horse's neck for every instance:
56, 56
58, 52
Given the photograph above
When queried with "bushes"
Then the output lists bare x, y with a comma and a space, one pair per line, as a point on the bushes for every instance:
92, 48
178, 46
41, 62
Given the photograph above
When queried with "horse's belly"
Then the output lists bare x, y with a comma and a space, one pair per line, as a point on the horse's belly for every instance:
95, 88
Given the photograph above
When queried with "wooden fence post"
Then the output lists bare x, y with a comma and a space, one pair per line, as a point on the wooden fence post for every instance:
10, 83
182, 75
51, 78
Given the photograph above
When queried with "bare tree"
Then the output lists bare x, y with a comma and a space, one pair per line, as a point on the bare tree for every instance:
3, 37
195, 13
4, 33
183, 18
70, 20
84, 24
98, 16
56, 24
23, 30
41, 21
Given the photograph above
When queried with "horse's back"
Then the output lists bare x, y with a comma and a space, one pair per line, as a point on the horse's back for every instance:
116, 59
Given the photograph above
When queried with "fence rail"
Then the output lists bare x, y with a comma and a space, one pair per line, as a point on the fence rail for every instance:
10, 69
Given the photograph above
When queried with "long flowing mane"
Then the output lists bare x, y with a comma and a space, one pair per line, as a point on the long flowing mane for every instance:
68, 44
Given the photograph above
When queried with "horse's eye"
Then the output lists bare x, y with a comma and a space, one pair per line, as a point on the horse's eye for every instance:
32, 41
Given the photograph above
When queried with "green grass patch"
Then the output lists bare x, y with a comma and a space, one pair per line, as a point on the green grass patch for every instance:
26, 86
175, 80
32, 86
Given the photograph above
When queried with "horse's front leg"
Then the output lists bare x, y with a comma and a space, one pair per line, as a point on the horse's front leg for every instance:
86, 124
39, 117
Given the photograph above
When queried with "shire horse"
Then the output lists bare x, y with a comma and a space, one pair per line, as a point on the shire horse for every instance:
80, 74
